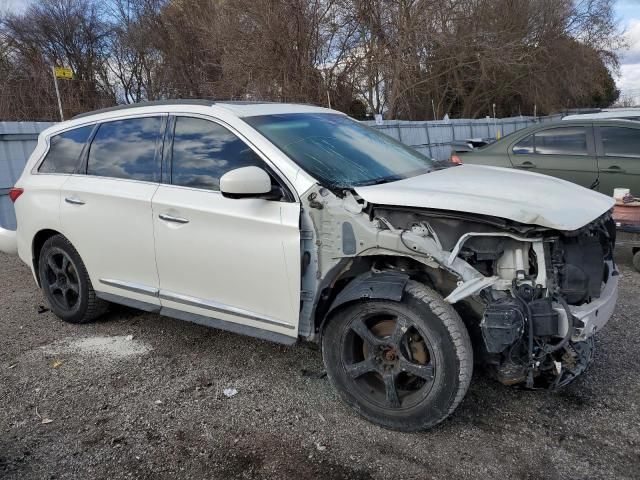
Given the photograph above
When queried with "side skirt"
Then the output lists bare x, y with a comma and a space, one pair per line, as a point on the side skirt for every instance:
199, 319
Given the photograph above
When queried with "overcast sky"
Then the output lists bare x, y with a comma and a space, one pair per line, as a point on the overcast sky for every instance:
629, 14
13, 5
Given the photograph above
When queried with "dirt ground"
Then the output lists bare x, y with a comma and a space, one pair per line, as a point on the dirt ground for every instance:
141, 396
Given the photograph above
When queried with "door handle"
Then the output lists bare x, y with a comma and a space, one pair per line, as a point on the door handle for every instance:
527, 165
613, 169
74, 201
170, 218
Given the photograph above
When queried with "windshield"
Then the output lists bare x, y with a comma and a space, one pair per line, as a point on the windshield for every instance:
340, 152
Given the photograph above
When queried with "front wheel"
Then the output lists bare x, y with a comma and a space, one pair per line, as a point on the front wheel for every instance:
403, 365
66, 284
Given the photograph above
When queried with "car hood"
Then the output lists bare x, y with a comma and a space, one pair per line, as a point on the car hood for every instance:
524, 197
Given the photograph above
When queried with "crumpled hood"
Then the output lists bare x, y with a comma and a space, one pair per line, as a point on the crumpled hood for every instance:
524, 197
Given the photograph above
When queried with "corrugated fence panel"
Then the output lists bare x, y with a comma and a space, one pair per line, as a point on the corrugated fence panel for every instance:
17, 141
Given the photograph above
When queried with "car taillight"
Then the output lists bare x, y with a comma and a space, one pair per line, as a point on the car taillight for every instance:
14, 193
456, 159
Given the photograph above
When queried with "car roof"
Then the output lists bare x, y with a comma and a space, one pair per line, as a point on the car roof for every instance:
239, 108
622, 113
579, 123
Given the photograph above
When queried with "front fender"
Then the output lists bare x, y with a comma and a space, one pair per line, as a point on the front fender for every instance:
371, 286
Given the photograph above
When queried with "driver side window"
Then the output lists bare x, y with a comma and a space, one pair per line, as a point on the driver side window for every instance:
203, 151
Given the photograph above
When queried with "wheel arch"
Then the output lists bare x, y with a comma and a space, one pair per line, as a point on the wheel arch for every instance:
36, 247
382, 277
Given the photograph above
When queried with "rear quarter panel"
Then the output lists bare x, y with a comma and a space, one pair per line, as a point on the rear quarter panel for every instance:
38, 207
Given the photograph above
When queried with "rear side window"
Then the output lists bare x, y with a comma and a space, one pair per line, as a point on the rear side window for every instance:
620, 142
561, 141
126, 149
64, 151
203, 151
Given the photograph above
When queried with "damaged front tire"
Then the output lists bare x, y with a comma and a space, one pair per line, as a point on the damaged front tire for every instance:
403, 365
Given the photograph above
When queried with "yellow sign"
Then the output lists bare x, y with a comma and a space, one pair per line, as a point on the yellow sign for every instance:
62, 72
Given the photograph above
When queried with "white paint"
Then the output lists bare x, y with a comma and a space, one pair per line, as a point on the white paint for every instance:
524, 197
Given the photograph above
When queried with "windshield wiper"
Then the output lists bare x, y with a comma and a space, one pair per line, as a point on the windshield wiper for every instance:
377, 181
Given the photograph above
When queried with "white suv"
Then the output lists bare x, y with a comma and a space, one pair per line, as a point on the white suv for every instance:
291, 222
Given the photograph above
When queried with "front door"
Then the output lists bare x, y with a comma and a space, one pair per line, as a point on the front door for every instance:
562, 152
234, 260
619, 158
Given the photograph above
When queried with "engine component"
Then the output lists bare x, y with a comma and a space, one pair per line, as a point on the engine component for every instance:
544, 318
580, 266
502, 324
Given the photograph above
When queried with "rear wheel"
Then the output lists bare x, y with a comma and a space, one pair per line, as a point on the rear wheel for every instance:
406, 365
65, 282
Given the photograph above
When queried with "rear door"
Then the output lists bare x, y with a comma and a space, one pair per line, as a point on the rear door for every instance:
619, 158
106, 207
563, 152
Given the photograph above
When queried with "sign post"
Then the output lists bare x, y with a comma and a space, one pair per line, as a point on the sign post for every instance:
64, 73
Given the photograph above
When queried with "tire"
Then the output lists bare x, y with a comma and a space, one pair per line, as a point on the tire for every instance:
636, 261
425, 356
65, 282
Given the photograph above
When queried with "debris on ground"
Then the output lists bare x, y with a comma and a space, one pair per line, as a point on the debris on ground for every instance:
56, 363
230, 392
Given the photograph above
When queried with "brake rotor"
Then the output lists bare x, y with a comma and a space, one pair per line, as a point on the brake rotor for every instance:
417, 347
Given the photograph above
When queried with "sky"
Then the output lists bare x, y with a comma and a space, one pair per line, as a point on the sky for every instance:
627, 12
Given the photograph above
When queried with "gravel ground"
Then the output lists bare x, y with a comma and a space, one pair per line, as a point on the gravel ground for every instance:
136, 395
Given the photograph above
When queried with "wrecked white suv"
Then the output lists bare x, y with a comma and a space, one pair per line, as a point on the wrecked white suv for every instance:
290, 222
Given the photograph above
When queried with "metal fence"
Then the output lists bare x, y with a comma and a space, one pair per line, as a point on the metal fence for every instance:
17, 141
434, 138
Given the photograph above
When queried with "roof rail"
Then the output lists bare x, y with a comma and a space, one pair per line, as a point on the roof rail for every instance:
180, 101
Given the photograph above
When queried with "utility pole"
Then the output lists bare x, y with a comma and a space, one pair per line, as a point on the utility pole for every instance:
55, 82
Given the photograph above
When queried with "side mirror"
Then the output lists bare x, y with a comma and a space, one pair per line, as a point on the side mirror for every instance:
245, 182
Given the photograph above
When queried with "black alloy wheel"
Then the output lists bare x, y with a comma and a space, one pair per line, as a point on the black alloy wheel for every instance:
403, 365
65, 282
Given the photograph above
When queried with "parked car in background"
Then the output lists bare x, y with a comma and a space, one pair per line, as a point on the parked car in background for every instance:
293, 222
470, 144
608, 114
597, 154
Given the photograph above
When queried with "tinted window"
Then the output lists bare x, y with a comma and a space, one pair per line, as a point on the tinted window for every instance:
339, 151
620, 142
203, 151
561, 141
126, 149
64, 151
524, 146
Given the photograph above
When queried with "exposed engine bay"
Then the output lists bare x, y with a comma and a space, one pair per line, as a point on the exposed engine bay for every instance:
532, 297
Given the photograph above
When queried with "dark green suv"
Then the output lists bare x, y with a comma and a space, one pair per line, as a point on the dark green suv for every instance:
597, 154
